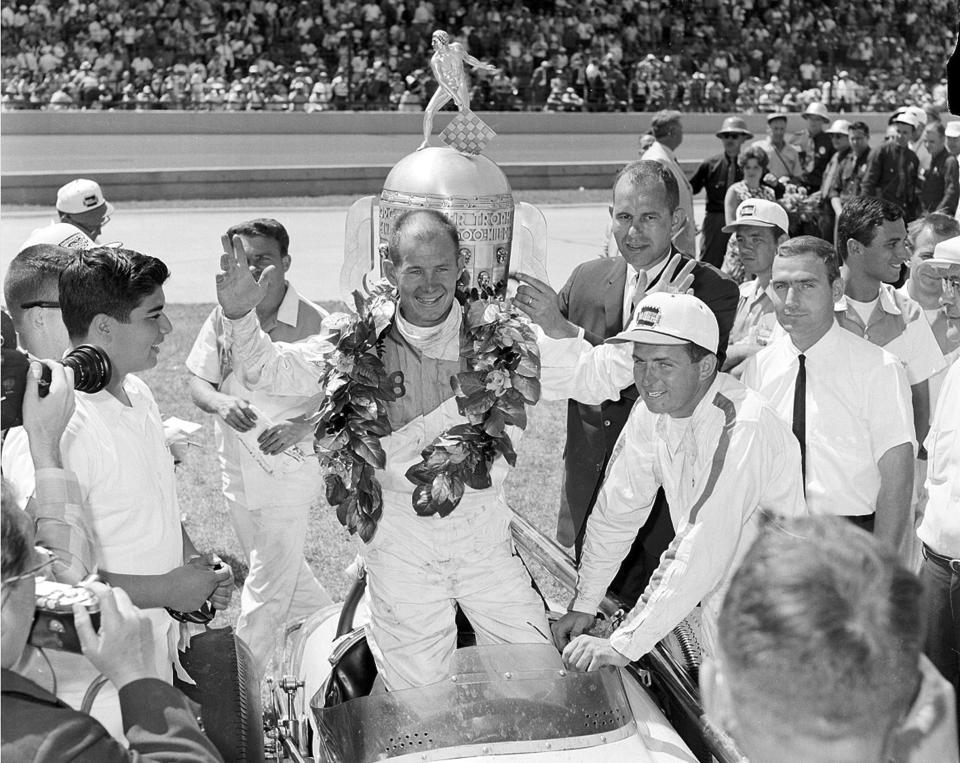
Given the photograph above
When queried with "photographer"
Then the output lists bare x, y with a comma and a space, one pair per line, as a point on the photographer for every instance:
158, 720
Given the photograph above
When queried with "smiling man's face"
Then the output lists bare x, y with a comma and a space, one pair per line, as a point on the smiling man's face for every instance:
426, 277
643, 223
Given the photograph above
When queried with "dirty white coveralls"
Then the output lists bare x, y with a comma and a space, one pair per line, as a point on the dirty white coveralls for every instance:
419, 567
268, 511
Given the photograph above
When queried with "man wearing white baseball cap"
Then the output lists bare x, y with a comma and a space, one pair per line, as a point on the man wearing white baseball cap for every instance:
81, 204
760, 227
83, 212
721, 454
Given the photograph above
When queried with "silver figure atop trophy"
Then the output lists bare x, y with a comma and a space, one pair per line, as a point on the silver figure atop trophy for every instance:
497, 235
467, 132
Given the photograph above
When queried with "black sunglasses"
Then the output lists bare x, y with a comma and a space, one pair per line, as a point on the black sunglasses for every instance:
40, 303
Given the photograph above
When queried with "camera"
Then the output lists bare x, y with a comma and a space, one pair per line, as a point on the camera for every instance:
53, 624
91, 373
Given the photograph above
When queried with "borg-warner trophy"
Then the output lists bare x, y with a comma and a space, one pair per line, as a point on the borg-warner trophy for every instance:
497, 235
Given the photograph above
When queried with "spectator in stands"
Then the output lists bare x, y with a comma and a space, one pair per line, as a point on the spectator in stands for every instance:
227, 44
848, 400
667, 130
940, 188
893, 169
819, 653
716, 175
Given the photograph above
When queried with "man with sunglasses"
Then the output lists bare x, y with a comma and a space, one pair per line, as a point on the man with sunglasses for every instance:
715, 175
160, 723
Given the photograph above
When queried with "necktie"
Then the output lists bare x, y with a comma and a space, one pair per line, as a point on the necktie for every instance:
800, 415
731, 171
632, 302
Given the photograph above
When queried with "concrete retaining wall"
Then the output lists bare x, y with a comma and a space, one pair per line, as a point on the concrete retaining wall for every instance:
40, 187
369, 123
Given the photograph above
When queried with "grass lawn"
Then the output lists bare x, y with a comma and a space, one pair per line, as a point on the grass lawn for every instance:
533, 488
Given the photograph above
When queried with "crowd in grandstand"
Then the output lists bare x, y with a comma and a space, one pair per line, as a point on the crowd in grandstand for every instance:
318, 55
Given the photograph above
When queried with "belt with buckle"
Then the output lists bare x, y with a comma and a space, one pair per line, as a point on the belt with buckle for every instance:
943, 561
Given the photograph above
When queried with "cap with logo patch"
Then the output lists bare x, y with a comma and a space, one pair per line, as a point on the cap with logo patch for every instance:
665, 318
81, 195
760, 213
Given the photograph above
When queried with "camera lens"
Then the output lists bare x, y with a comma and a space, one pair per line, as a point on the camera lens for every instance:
91, 368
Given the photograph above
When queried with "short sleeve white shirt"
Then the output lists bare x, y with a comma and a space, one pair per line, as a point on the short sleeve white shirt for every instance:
858, 407
128, 490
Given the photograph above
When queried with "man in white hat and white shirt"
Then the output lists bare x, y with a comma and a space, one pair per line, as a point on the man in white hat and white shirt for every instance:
940, 529
893, 169
81, 203
83, 212
721, 454
760, 227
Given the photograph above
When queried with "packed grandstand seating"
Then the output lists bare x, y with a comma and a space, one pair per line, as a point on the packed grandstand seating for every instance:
317, 55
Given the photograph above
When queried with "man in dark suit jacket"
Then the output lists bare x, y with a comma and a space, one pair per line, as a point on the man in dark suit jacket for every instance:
645, 215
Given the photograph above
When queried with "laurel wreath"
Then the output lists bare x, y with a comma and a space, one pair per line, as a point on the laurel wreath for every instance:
502, 378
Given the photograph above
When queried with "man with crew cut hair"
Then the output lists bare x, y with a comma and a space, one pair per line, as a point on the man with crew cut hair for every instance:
819, 653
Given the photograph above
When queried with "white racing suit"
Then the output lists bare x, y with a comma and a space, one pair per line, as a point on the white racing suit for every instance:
418, 567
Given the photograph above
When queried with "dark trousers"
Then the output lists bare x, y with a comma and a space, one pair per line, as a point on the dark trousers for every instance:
714, 244
827, 222
941, 593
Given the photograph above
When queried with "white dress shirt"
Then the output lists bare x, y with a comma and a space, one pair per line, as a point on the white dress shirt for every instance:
858, 408
940, 528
